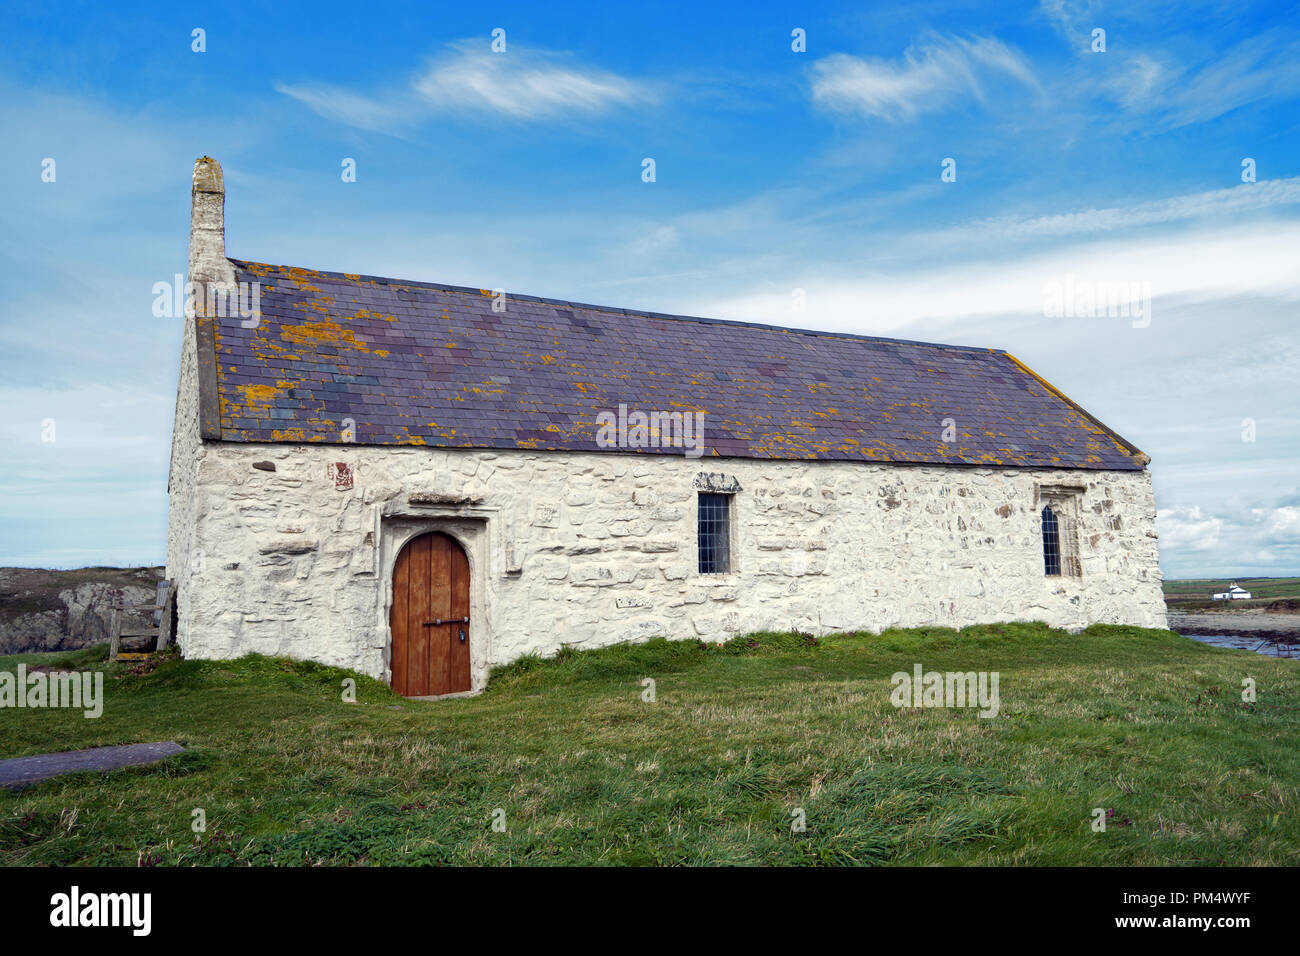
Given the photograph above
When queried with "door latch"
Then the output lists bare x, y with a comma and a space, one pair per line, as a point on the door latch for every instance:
462, 635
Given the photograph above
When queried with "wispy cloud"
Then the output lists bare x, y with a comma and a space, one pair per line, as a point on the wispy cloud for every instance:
528, 85
927, 78
468, 79
1173, 88
390, 114
1220, 205
1071, 23
1261, 68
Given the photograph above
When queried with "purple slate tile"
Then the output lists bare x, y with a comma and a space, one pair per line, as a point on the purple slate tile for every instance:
507, 376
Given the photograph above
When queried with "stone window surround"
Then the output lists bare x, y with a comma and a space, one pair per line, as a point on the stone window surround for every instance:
718, 483
1065, 500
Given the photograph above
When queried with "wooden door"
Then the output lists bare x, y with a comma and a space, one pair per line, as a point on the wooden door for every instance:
430, 617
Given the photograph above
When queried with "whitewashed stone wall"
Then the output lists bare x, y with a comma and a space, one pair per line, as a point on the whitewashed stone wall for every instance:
182, 499
592, 549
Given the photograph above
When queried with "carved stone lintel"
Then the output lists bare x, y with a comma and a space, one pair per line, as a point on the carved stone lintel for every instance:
442, 498
716, 483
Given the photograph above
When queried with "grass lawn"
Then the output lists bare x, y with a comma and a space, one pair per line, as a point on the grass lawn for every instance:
1143, 723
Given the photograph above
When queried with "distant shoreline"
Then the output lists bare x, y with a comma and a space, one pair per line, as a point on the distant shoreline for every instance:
1257, 624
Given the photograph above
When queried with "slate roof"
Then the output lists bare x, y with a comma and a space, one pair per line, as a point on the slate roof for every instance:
418, 364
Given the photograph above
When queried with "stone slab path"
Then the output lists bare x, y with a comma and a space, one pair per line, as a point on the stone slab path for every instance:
21, 771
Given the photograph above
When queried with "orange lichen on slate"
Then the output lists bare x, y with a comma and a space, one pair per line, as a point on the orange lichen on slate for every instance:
764, 408
258, 395
364, 314
302, 277
325, 332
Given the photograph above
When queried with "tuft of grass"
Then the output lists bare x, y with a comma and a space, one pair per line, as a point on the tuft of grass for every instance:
744, 738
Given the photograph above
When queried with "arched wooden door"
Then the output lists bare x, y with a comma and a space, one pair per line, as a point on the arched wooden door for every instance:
430, 617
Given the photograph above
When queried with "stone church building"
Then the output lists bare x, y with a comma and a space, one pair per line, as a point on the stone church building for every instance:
421, 481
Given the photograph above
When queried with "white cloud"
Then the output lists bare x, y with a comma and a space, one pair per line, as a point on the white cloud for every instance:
1219, 204
363, 112
1283, 524
1265, 67
1256, 69
924, 80
1195, 266
652, 240
469, 79
527, 85
1172, 90
1195, 542
1064, 19
1188, 529
1138, 79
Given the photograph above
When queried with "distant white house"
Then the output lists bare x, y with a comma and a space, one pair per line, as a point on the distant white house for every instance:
1232, 594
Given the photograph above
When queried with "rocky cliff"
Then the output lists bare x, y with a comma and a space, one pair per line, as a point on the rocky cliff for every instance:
61, 610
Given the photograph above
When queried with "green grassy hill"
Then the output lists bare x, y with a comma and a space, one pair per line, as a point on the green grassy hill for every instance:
1147, 726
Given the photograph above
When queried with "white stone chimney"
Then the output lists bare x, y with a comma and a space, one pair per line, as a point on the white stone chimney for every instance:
208, 263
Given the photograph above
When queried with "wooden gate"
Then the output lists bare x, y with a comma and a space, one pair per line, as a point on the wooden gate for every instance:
430, 617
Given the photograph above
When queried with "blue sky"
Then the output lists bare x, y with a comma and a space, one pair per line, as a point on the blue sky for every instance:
775, 170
